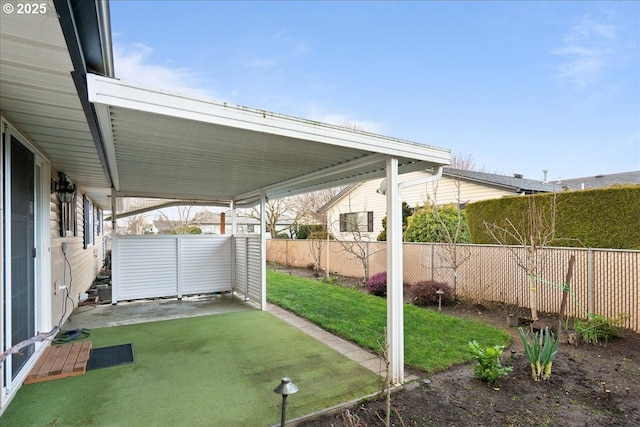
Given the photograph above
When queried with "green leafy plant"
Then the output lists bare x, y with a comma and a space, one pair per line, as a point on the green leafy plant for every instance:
598, 328
540, 352
488, 367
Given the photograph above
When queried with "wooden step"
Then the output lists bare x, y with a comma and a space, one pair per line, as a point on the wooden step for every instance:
61, 361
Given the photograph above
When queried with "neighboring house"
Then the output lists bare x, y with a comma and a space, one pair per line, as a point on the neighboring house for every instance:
357, 212
75, 140
211, 223
599, 181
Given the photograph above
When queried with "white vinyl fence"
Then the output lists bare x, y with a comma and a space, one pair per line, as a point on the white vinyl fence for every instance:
178, 265
247, 267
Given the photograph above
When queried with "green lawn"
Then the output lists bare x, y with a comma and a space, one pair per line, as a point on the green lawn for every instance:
433, 341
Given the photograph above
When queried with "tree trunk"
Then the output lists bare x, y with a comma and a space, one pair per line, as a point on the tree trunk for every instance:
533, 286
533, 297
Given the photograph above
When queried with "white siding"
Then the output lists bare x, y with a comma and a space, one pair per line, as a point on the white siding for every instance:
81, 266
364, 197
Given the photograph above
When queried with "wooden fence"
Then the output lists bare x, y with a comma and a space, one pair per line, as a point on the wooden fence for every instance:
605, 282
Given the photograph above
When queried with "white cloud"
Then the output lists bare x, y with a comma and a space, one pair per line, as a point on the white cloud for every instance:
133, 63
587, 50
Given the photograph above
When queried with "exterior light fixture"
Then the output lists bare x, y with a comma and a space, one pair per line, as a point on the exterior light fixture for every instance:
64, 188
285, 388
440, 292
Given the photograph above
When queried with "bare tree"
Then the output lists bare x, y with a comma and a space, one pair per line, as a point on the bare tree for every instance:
358, 247
465, 162
274, 211
307, 211
307, 206
135, 224
182, 223
455, 255
535, 230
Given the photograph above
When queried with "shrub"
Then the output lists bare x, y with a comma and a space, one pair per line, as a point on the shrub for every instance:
187, 229
377, 284
488, 367
447, 224
306, 231
424, 293
597, 327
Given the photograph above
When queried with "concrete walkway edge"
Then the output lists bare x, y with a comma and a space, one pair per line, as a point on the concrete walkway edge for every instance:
369, 360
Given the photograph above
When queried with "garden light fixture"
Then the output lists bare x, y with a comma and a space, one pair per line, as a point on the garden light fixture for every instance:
285, 388
439, 292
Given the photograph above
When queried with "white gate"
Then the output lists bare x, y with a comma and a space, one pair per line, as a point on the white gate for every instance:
170, 266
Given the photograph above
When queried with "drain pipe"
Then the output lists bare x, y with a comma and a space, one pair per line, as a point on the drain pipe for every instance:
418, 181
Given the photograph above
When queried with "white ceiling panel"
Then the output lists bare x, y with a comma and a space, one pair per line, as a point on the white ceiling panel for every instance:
39, 98
172, 146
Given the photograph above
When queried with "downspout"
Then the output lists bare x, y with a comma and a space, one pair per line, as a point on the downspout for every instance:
419, 181
104, 28
115, 276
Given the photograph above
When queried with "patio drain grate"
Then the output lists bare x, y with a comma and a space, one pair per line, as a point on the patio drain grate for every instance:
114, 355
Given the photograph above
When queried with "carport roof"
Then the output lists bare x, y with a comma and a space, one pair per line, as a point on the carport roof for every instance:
166, 145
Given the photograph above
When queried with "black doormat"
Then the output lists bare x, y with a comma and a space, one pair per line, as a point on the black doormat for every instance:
110, 356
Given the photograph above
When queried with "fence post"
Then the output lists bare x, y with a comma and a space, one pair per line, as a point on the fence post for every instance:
286, 253
179, 266
366, 254
433, 246
246, 271
590, 278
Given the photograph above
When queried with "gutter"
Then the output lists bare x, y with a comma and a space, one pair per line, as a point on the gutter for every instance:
99, 27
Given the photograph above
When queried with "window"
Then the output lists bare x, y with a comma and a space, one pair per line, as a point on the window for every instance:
99, 222
361, 222
68, 218
88, 223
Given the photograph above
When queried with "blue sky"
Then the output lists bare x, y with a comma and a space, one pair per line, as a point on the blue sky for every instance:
518, 86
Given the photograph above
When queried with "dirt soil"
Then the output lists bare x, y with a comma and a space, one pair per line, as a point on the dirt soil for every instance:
590, 385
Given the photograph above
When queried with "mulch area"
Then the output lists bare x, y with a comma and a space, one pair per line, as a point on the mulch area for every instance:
590, 385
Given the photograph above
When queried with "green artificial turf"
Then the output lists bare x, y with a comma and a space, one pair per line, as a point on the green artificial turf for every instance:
432, 341
205, 371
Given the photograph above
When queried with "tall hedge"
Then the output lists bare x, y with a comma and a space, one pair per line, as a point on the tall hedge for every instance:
597, 218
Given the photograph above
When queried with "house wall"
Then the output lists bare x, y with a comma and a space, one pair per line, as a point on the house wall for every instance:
83, 264
364, 197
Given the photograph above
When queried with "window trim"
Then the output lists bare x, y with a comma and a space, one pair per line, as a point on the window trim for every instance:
68, 218
358, 225
88, 221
